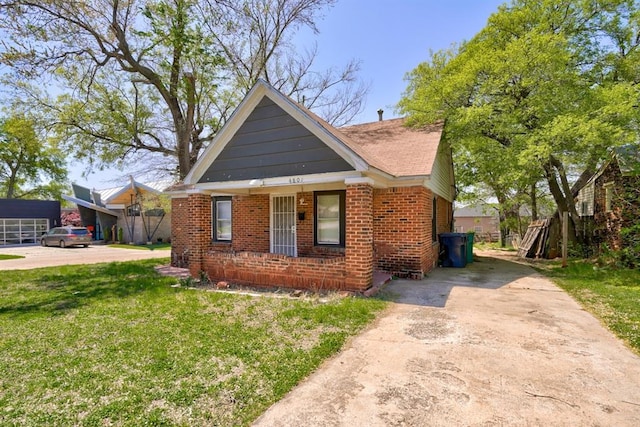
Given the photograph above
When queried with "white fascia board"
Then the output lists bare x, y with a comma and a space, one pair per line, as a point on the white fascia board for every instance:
320, 178
177, 195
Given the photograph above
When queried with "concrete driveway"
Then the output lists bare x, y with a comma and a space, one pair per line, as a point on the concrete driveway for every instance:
38, 256
489, 345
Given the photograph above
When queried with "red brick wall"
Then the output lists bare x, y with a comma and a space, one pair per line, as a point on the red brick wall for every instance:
304, 228
264, 269
624, 205
359, 236
179, 230
402, 230
250, 223
199, 230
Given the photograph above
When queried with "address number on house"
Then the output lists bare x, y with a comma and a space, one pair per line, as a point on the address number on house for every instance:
295, 180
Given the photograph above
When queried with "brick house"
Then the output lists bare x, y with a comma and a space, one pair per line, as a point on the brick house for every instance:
610, 200
282, 198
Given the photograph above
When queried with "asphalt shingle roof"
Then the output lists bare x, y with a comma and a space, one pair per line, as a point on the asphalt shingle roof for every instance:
394, 148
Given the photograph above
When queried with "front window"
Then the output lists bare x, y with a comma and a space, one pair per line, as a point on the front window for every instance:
222, 218
330, 218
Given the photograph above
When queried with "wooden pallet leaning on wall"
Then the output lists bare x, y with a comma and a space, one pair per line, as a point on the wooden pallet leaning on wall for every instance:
534, 242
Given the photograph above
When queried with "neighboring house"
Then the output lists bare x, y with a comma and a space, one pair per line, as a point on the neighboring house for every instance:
134, 208
282, 198
610, 200
482, 220
24, 221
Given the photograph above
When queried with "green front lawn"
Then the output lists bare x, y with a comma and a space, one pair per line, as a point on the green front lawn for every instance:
613, 295
6, 256
115, 344
154, 246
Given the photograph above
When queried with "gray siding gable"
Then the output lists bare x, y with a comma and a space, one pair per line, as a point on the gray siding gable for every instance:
270, 143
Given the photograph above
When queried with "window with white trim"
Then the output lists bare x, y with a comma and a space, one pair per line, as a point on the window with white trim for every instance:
221, 210
330, 219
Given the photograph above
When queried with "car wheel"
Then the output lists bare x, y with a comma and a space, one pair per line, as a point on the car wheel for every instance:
62, 244
86, 246
43, 242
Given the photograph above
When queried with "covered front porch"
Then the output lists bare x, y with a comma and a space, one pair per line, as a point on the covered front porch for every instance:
317, 237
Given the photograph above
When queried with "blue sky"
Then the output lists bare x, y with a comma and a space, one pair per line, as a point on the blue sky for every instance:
390, 38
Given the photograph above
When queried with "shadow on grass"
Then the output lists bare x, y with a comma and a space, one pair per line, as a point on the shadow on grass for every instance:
56, 290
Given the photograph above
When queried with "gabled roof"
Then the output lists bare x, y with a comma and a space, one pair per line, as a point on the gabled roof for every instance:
155, 187
385, 147
98, 199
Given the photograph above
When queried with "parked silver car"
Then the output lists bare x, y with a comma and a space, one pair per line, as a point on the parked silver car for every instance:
66, 236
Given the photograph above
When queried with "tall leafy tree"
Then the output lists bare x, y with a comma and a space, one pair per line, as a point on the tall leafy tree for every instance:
30, 167
160, 77
539, 95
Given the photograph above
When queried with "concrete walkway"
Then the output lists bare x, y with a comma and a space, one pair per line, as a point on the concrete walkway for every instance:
38, 256
492, 344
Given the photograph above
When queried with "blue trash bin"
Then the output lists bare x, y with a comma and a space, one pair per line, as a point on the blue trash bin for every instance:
454, 247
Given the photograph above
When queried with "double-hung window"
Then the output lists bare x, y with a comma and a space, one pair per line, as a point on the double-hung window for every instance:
329, 213
222, 219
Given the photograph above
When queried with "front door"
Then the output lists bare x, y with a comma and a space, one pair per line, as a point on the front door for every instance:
283, 225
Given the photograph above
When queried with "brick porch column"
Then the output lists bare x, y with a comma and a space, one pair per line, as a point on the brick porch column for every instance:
179, 227
359, 233
199, 230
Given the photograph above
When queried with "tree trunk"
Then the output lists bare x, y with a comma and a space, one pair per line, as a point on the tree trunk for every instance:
534, 203
11, 184
564, 201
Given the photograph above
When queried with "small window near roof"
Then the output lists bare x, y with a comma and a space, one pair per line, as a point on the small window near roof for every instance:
222, 218
330, 218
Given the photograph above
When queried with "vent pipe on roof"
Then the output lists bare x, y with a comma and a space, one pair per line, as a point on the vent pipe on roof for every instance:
380, 111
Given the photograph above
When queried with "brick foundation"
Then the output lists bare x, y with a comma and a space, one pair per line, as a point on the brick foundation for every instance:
264, 269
